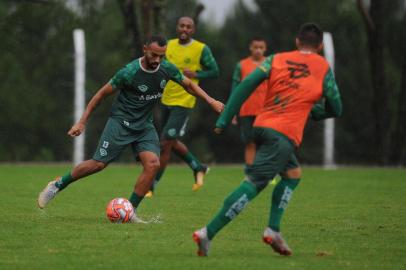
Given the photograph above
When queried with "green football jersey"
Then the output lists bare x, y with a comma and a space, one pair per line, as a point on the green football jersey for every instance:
140, 90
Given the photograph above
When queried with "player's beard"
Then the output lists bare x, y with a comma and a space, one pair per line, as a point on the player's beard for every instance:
154, 65
151, 64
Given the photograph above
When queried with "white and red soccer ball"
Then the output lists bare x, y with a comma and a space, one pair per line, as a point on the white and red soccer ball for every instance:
119, 210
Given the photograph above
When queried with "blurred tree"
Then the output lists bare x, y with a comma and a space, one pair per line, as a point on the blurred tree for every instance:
36, 73
128, 11
399, 136
375, 31
395, 42
36, 69
388, 114
141, 19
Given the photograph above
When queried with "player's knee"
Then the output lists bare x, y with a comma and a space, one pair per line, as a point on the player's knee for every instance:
98, 166
295, 173
260, 183
152, 165
261, 186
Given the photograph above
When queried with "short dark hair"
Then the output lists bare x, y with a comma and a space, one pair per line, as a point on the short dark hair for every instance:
310, 34
257, 38
161, 40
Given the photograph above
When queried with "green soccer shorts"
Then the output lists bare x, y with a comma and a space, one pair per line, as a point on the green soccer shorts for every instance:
174, 121
116, 137
246, 128
275, 155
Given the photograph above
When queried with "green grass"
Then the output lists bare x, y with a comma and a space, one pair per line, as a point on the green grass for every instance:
343, 219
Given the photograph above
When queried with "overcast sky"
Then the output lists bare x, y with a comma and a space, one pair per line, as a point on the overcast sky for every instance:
216, 10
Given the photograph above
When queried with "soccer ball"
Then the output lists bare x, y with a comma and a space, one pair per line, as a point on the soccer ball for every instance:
119, 210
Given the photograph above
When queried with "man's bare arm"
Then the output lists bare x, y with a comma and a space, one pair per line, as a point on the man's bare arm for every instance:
195, 90
103, 92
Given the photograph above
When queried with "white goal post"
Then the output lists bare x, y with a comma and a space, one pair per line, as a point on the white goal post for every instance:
329, 124
79, 97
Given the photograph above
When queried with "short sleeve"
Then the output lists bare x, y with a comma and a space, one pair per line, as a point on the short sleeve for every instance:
120, 79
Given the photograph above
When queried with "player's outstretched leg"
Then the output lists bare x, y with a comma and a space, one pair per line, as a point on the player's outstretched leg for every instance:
203, 243
85, 168
150, 163
48, 193
276, 241
233, 205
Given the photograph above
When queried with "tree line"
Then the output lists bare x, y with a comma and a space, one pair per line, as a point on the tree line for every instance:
36, 66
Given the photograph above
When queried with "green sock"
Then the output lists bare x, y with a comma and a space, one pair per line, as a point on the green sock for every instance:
64, 181
233, 205
157, 179
191, 160
280, 198
135, 199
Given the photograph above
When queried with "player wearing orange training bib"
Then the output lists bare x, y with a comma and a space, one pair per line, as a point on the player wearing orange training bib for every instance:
253, 105
297, 81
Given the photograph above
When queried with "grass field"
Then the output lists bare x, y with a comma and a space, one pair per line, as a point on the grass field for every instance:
343, 219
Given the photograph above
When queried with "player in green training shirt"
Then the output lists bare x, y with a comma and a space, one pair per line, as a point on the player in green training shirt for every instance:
139, 86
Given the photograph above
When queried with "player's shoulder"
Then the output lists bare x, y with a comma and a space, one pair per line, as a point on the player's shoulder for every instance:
199, 43
286, 54
314, 60
130, 69
320, 58
297, 53
171, 70
320, 61
173, 41
166, 65
133, 66
245, 60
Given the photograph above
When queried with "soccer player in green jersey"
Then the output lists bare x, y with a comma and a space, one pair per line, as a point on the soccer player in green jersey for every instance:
297, 81
139, 86
196, 62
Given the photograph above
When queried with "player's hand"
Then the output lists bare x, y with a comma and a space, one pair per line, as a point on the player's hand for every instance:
218, 130
190, 74
217, 106
234, 121
76, 129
